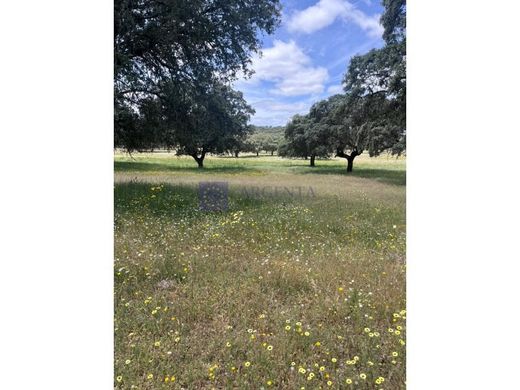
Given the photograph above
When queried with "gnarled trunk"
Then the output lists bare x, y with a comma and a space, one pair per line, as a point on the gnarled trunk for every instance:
199, 159
350, 163
350, 157
313, 157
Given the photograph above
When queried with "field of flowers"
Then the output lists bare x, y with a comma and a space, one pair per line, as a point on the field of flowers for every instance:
279, 291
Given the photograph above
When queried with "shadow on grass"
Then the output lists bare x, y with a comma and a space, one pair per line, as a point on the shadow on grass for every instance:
137, 166
388, 176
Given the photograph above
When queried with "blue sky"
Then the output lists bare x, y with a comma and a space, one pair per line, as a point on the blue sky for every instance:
305, 59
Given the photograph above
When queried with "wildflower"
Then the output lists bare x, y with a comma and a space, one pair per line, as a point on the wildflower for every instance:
380, 380
348, 381
302, 370
311, 375
366, 330
269, 347
149, 376
395, 354
247, 364
287, 327
172, 378
329, 383
317, 343
119, 378
307, 334
340, 289
157, 344
363, 376
128, 361
333, 360
269, 383
322, 368
228, 344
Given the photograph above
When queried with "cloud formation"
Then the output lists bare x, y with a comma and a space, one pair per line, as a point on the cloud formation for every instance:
325, 12
290, 69
274, 113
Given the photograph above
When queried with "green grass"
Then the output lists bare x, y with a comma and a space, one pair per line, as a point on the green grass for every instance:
365, 167
266, 293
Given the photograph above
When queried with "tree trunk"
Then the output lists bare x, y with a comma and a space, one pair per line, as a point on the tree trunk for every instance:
272, 152
350, 163
350, 157
200, 160
257, 153
313, 157
236, 153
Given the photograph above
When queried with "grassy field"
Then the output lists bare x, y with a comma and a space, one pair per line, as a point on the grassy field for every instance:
288, 288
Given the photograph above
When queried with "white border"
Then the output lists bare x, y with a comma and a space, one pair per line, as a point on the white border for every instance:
463, 194
56, 197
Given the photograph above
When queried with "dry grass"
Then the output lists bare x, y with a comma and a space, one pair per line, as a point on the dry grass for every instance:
276, 292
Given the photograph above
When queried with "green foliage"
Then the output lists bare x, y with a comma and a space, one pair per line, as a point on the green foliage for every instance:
264, 138
371, 114
215, 120
172, 59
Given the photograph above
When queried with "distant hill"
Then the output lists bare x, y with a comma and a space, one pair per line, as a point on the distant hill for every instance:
273, 131
264, 138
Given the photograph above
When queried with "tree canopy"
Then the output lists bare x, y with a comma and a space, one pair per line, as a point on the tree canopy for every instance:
371, 114
173, 64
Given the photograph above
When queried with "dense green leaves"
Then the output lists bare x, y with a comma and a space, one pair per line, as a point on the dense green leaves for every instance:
371, 114
173, 63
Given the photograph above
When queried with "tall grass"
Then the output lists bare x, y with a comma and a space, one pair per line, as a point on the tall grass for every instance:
277, 291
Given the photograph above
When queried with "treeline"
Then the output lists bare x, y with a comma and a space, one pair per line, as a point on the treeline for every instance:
174, 62
261, 139
371, 113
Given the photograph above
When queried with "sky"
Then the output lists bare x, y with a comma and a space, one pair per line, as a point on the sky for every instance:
305, 59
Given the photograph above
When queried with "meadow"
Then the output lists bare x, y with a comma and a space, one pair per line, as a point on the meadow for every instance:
281, 290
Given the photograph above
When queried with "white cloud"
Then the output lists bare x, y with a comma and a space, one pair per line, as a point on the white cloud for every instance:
275, 113
325, 12
290, 69
335, 89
